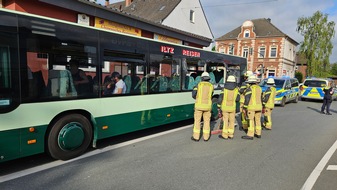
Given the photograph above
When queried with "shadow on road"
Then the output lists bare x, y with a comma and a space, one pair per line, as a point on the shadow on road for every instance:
314, 109
41, 159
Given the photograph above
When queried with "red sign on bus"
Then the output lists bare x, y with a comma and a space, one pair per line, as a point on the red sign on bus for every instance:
191, 53
167, 49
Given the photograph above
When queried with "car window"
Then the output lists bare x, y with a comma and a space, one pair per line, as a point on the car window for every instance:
288, 84
294, 83
279, 83
314, 83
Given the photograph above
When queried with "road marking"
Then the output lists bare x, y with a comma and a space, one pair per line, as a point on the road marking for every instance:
332, 167
89, 154
319, 168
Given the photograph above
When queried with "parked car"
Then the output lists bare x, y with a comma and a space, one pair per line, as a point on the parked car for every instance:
312, 88
287, 90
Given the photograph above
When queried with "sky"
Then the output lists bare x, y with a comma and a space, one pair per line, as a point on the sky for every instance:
225, 15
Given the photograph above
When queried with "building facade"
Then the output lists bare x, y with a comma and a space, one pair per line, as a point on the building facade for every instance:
106, 17
268, 50
184, 15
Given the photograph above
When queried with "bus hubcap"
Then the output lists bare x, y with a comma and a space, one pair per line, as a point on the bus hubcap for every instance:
71, 136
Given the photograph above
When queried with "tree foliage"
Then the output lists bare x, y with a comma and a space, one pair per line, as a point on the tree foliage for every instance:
317, 45
299, 76
333, 70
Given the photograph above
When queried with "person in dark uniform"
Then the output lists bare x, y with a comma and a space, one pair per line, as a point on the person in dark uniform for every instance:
327, 99
80, 80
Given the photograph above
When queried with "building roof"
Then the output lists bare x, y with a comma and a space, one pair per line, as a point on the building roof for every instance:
262, 28
95, 9
152, 10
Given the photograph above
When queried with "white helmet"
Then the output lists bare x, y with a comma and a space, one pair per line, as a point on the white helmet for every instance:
248, 73
252, 79
204, 74
231, 78
270, 81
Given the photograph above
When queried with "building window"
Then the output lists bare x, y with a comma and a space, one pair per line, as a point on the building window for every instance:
273, 51
231, 49
271, 72
192, 15
262, 51
245, 52
247, 34
221, 50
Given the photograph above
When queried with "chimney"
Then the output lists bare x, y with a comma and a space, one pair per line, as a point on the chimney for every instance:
128, 2
269, 20
107, 3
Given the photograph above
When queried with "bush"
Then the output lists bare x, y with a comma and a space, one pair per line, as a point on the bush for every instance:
299, 76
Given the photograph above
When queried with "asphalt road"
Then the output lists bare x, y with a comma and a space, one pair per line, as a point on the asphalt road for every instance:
298, 153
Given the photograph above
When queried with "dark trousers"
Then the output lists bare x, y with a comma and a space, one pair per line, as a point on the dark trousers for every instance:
326, 103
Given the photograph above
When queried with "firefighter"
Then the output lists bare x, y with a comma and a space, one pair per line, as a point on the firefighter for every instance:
253, 108
268, 100
227, 103
202, 93
242, 91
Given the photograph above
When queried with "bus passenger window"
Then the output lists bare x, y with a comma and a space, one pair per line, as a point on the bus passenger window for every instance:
165, 71
124, 73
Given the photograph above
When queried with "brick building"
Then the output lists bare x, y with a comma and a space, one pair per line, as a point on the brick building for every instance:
264, 46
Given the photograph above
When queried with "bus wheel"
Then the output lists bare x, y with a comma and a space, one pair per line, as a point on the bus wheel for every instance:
283, 103
69, 137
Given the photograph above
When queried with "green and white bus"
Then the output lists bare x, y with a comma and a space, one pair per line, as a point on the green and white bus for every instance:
43, 110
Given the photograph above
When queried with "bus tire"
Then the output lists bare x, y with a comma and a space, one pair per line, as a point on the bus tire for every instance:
69, 137
283, 103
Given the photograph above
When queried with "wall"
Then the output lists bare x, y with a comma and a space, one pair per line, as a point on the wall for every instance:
182, 13
44, 9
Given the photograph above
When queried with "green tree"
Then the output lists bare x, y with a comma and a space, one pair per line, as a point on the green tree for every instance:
333, 70
317, 45
299, 76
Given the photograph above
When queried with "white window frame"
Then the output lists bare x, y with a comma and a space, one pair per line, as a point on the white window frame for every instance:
271, 71
245, 52
230, 49
246, 34
270, 51
221, 49
264, 52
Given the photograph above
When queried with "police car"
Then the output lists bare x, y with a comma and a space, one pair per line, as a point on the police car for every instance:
287, 90
312, 88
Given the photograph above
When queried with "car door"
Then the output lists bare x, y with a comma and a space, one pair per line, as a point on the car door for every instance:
288, 90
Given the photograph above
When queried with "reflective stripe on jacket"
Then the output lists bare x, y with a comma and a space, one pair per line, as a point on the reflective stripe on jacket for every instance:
269, 97
242, 91
253, 98
229, 102
204, 96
